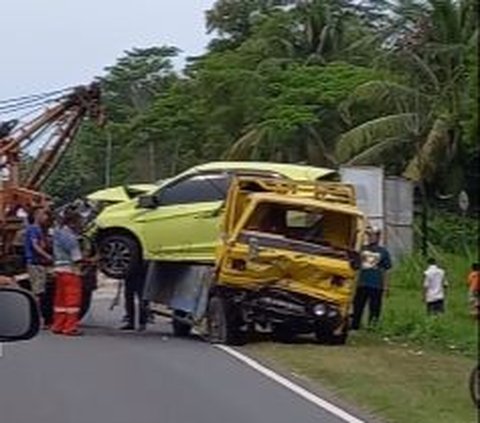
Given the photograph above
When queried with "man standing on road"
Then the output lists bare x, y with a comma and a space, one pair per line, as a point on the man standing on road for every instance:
68, 282
372, 280
434, 285
134, 285
36, 256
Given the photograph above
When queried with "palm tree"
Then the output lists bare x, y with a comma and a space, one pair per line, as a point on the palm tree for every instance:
322, 24
433, 42
417, 111
298, 143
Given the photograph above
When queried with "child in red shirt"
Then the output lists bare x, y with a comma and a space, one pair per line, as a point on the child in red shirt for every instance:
474, 289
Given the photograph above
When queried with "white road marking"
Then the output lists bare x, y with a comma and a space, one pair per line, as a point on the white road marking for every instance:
314, 399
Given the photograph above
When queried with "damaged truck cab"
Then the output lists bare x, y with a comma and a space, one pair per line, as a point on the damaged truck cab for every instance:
287, 260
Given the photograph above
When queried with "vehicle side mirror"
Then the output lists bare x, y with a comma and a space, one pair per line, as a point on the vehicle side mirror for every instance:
19, 315
147, 202
354, 260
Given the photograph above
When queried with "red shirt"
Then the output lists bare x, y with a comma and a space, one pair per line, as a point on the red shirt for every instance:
474, 281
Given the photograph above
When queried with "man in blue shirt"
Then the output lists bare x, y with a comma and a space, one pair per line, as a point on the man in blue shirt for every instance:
372, 279
36, 256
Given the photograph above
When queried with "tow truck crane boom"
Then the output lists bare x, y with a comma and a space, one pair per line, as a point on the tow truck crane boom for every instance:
48, 135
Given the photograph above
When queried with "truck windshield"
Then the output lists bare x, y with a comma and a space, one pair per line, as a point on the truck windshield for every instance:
304, 224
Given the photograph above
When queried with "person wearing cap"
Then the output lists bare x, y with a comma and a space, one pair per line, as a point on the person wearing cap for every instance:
372, 279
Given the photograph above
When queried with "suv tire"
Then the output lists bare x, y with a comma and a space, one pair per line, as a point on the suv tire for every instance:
120, 255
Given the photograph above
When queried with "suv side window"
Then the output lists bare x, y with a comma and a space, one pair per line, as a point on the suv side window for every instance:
196, 189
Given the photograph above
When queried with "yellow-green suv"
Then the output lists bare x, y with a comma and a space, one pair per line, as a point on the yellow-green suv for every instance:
180, 219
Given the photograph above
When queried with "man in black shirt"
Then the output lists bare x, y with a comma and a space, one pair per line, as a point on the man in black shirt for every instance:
372, 279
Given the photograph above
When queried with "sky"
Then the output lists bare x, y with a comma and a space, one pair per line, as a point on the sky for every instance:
51, 44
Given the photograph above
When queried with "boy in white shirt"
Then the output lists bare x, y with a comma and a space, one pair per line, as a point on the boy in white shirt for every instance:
434, 285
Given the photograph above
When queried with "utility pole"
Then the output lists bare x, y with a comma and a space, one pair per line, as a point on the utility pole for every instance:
108, 159
424, 223
151, 156
140, 102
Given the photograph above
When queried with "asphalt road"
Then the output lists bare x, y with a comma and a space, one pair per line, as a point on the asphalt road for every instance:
113, 377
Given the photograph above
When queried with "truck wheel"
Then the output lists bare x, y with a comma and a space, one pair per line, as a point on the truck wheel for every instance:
340, 339
283, 333
120, 255
223, 323
326, 335
180, 329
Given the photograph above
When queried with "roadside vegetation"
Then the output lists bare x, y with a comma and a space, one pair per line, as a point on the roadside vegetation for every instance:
323, 82
405, 319
326, 83
397, 382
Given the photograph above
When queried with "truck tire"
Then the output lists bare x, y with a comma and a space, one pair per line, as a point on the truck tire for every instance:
327, 336
283, 333
180, 329
120, 255
224, 323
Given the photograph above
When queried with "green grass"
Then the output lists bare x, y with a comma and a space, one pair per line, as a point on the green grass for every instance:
412, 368
398, 383
404, 316
449, 231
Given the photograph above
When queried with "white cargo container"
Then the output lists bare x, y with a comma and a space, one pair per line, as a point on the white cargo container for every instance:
387, 203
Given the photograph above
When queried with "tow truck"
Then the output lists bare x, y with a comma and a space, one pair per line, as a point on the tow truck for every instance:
30, 151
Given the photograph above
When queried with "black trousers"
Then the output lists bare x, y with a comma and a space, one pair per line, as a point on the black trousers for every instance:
46, 302
134, 285
436, 307
374, 298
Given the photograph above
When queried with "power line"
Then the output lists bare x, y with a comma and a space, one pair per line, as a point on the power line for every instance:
32, 104
35, 96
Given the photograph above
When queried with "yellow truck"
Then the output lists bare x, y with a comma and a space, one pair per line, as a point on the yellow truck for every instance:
286, 262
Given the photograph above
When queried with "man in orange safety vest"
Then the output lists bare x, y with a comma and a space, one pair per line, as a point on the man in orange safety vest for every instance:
68, 282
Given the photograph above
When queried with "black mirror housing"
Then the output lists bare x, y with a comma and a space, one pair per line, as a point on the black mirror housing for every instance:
354, 260
19, 315
147, 202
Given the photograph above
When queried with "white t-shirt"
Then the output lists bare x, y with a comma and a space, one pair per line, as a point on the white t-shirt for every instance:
434, 283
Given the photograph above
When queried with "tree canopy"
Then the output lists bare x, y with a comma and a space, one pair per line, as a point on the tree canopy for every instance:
324, 82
